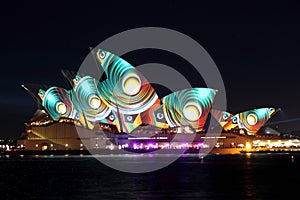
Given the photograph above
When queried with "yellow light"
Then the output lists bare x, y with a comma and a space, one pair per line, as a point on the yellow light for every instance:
248, 155
251, 119
248, 146
191, 112
95, 102
61, 108
132, 86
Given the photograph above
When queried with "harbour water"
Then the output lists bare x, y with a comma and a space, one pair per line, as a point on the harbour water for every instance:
240, 176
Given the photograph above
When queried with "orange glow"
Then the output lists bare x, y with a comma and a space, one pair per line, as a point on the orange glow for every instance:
248, 146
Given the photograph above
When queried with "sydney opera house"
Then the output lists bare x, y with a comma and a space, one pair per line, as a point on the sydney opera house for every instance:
124, 111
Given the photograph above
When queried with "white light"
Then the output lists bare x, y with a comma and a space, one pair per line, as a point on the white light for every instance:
95, 102
129, 118
159, 115
132, 85
61, 108
251, 119
192, 112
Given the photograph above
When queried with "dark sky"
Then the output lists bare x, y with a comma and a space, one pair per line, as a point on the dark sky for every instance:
255, 46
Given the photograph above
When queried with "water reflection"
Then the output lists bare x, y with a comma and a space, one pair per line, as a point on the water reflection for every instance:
254, 176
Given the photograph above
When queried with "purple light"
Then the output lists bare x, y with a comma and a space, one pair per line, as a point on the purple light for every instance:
135, 146
150, 155
150, 145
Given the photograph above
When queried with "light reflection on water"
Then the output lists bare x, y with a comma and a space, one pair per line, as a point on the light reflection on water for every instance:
255, 176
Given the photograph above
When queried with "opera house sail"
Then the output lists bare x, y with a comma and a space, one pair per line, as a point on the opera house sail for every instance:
123, 103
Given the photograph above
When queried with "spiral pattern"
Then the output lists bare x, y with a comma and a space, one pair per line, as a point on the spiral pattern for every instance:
125, 90
188, 107
57, 102
88, 99
253, 120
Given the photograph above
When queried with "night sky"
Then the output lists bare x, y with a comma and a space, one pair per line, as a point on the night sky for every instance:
255, 46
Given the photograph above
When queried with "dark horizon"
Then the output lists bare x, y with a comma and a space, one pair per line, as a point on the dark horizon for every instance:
255, 47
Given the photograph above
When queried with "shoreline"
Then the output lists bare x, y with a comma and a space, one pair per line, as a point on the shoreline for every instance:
221, 151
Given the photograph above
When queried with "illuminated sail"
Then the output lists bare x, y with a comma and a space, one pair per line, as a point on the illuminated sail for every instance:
57, 102
187, 107
253, 120
126, 91
88, 99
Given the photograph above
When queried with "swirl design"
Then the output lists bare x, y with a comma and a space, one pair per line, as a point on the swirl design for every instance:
57, 102
125, 89
88, 99
188, 107
126, 99
253, 120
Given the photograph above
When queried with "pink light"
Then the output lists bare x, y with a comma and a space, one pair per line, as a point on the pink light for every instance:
135, 146
150, 155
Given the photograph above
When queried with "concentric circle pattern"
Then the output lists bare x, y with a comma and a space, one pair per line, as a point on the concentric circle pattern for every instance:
125, 89
88, 99
188, 107
57, 102
126, 99
253, 120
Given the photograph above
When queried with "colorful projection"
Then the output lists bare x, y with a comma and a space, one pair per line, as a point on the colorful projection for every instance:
126, 99
221, 116
251, 120
57, 102
88, 100
126, 91
186, 107
125, 87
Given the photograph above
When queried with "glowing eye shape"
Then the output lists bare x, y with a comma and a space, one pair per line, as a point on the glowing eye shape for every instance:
191, 112
76, 80
61, 108
271, 110
102, 55
225, 116
234, 120
160, 115
95, 102
129, 118
112, 117
132, 85
41, 93
251, 119
77, 116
